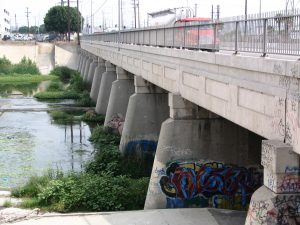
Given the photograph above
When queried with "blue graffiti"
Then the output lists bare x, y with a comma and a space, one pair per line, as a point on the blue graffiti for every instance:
141, 147
185, 181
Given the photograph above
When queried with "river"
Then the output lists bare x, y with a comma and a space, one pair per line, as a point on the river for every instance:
32, 143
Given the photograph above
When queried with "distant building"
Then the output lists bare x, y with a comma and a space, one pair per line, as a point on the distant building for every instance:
4, 22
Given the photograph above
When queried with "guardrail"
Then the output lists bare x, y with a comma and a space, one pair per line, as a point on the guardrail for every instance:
279, 34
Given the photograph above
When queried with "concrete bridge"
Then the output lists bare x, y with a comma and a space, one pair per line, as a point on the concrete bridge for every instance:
220, 126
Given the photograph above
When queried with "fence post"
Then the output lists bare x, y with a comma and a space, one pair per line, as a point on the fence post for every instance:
265, 38
184, 30
236, 38
173, 36
164, 36
198, 36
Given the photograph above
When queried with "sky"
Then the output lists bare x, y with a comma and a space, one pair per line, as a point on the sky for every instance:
109, 10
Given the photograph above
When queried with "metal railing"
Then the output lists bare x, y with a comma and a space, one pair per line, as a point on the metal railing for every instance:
275, 34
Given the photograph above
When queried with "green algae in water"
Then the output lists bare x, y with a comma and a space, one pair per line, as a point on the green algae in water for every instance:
18, 143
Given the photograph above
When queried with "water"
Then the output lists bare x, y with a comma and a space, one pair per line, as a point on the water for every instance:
31, 143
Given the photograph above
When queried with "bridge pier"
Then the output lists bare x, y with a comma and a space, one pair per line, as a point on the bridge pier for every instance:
146, 111
120, 93
90, 75
80, 60
100, 69
202, 160
278, 201
87, 67
83, 64
107, 79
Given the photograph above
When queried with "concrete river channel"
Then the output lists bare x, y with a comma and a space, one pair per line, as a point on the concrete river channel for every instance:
31, 142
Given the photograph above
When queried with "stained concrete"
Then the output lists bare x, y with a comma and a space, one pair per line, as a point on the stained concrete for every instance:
146, 217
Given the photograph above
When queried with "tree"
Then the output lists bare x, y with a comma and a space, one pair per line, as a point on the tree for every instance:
23, 30
42, 29
56, 19
34, 29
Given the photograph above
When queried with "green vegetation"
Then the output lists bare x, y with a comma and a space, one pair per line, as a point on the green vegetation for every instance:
7, 204
25, 66
57, 95
91, 116
108, 182
24, 79
76, 89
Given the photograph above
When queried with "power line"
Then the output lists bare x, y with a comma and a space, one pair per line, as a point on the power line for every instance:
97, 10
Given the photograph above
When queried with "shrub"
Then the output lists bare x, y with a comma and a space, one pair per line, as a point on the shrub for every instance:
55, 86
63, 72
5, 65
77, 84
91, 116
25, 66
57, 95
85, 100
100, 136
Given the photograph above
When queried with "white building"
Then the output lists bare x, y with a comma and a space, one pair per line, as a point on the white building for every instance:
4, 22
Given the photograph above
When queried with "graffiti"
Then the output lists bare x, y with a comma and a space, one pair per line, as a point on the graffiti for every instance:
286, 210
278, 121
285, 82
186, 181
159, 172
267, 155
292, 170
258, 212
282, 209
295, 70
117, 123
144, 149
290, 183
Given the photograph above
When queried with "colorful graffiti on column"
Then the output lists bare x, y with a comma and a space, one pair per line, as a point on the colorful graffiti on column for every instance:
211, 184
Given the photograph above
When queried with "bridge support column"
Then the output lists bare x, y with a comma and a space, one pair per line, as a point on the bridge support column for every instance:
146, 111
107, 79
83, 64
198, 161
120, 93
91, 72
80, 60
100, 69
87, 67
278, 201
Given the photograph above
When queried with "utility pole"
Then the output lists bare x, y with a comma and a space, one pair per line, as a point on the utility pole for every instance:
134, 8
69, 21
212, 13
62, 3
16, 25
218, 12
78, 23
246, 9
27, 15
138, 8
196, 8
259, 8
122, 19
91, 16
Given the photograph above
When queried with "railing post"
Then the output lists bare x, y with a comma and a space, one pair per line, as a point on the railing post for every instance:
184, 30
164, 36
198, 36
264, 53
155, 37
173, 36
215, 35
236, 38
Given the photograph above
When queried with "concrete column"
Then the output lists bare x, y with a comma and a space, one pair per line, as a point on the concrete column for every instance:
107, 79
147, 109
87, 67
84, 60
202, 161
278, 201
90, 76
120, 93
79, 61
100, 69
